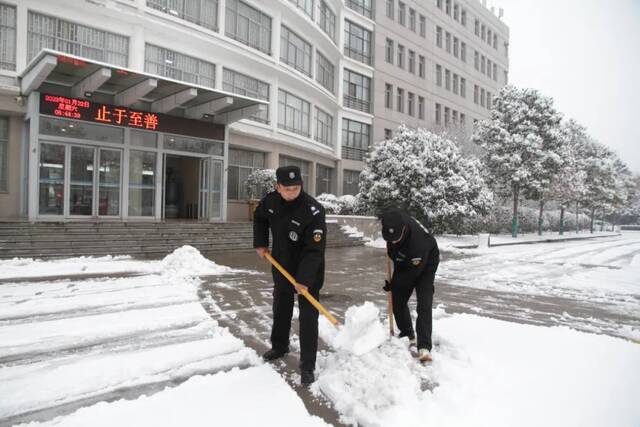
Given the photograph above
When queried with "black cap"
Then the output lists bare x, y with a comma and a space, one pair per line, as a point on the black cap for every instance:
288, 176
392, 224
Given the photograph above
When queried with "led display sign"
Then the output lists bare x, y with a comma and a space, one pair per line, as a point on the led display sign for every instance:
80, 109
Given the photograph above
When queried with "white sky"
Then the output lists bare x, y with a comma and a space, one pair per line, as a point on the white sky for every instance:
586, 55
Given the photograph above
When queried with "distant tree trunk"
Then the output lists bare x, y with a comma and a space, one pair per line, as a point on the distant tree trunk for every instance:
540, 217
562, 219
602, 221
577, 218
514, 219
593, 214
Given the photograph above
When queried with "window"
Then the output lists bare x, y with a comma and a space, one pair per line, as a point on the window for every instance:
292, 161
401, 56
388, 96
488, 67
447, 7
463, 119
463, 51
476, 60
421, 107
495, 41
506, 77
447, 79
421, 67
439, 75
327, 20
324, 127
324, 180
412, 20
350, 181
239, 83
439, 37
463, 87
439, 4
448, 42
447, 115
357, 42
495, 72
388, 51
438, 114
476, 91
483, 32
455, 83
482, 97
412, 62
388, 134
175, 65
489, 105
483, 64
324, 72
295, 51
423, 26
293, 113
489, 36
357, 91
401, 13
455, 117
400, 101
200, 12
304, 5
506, 49
355, 139
75, 39
463, 17
241, 164
411, 99
7, 39
4, 152
390, 9
456, 47
456, 12
477, 27
248, 26
363, 7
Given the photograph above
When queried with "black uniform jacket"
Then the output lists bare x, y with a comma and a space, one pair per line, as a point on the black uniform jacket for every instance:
415, 254
299, 234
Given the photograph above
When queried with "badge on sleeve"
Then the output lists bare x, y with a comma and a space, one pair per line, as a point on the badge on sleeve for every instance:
293, 236
416, 261
317, 235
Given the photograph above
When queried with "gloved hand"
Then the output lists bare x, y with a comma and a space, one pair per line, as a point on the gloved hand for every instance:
387, 286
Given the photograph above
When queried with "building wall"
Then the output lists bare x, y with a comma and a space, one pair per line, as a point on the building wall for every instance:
143, 24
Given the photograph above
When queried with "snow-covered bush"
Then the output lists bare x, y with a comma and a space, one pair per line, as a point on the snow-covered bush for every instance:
424, 174
260, 182
329, 202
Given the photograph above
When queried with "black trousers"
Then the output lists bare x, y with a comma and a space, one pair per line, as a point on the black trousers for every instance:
282, 313
401, 293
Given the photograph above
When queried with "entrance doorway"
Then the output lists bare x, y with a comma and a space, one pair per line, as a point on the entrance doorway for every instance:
181, 187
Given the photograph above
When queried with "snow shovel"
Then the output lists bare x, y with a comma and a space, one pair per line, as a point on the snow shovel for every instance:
390, 299
306, 293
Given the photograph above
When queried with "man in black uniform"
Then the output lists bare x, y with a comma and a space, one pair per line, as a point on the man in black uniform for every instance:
415, 257
299, 231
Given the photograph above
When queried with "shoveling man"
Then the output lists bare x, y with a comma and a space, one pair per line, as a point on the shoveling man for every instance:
415, 257
297, 223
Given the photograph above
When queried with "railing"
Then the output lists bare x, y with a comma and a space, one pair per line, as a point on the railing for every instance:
357, 104
351, 153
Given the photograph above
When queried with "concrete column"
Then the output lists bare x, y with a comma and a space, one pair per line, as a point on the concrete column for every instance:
339, 176
137, 48
22, 24
311, 186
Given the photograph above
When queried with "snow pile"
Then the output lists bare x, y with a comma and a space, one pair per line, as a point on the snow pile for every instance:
488, 372
188, 261
352, 231
361, 333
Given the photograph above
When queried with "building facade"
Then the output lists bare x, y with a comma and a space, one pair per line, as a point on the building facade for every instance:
236, 85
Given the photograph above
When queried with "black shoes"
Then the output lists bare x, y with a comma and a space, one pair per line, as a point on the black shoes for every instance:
274, 354
307, 377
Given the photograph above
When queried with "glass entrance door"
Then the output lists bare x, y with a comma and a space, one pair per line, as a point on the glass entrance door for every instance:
210, 190
81, 181
109, 182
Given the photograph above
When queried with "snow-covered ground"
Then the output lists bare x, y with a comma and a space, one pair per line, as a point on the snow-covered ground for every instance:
141, 350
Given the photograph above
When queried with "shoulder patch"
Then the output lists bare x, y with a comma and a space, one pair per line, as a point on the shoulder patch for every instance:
416, 261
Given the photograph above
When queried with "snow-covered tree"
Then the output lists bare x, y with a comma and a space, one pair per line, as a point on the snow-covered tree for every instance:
522, 144
600, 168
260, 182
569, 186
426, 175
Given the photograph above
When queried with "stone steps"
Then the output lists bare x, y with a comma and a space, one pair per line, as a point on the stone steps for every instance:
147, 240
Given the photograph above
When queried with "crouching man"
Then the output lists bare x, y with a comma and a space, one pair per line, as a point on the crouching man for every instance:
415, 257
